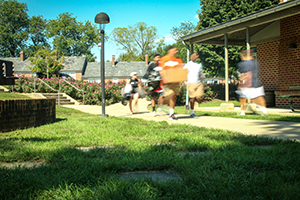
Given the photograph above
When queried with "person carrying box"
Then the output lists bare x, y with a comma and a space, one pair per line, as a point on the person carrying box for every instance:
170, 89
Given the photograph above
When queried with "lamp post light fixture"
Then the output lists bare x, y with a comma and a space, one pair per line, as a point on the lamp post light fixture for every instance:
102, 19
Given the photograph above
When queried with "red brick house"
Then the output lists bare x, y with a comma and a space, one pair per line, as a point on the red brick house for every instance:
275, 32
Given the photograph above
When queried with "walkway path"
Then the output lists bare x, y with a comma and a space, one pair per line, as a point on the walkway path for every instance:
284, 130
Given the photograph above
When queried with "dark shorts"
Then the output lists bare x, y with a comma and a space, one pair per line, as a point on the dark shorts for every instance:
154, 94
134, 90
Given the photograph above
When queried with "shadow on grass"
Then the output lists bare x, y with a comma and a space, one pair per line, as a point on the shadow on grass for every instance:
60, 119
280, 129
231, 169
270, 117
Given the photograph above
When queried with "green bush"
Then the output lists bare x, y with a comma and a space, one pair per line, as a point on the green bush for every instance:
217, 91
92, 90
213, 91
112, 90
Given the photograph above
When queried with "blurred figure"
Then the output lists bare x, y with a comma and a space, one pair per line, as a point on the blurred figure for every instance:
136, 88
194, 82
153, 81
249, 85
170, 90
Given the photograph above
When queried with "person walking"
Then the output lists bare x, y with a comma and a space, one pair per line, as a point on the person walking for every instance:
194, 82
156, 90
170, 90
249, 85
136, 88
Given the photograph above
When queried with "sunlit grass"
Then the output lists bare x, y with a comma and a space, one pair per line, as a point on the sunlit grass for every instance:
269, 117
6, 95
234, 167
216, 103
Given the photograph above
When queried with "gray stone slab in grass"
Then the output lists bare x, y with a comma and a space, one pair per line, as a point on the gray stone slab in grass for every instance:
161, 176
164, 144
198, 153
86, 149
264, 147
21, 165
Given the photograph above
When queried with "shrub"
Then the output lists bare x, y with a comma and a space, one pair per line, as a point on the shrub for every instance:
92, 90
218, 91
113, 95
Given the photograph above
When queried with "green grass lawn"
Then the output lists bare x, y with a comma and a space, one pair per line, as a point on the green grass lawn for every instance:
234, 167
270, 117
5, 95
217, 103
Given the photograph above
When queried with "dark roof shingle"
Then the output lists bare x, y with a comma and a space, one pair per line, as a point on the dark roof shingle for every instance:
120, 70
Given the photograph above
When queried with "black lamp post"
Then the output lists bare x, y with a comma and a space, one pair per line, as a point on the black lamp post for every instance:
102, 19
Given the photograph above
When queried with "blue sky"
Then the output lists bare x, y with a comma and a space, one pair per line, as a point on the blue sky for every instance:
163, 14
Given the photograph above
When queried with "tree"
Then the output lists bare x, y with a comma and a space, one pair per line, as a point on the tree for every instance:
37, 36
185, 28
216, 12
137, 41
14, 23
47, 62
73, 38
128, 57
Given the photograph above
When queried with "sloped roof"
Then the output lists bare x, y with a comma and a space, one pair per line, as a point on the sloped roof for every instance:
120, 70
236, 28
71, 63
74, 63
20, 66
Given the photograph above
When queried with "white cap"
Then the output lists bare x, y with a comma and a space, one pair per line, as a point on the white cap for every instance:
132, 73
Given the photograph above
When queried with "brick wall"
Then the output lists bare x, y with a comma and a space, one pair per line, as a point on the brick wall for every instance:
78, 76
268, 61
289, 59
289, 62
25, 113
285, 102
280, 67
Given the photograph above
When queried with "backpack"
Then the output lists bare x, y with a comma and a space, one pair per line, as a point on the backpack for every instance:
153, 80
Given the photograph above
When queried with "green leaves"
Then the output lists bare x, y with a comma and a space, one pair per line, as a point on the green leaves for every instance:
73, 38
47, 62
185, 28
19, 32
216, 12
14, 23
137, 41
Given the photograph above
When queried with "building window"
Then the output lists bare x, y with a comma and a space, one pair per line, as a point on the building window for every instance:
68, 75
94, 80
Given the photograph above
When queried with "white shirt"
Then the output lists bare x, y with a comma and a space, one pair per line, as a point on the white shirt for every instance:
193, 71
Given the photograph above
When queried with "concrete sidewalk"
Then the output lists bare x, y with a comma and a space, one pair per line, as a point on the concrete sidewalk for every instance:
283, 130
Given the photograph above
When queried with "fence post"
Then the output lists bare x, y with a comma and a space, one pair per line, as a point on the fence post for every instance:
83, 97
59, 92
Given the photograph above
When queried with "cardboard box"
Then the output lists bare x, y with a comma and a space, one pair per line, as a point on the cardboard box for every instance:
174, 75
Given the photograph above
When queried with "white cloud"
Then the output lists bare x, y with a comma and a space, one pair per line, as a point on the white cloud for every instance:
196, 16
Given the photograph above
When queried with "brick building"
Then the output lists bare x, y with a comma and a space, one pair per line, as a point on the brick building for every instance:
275, 32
